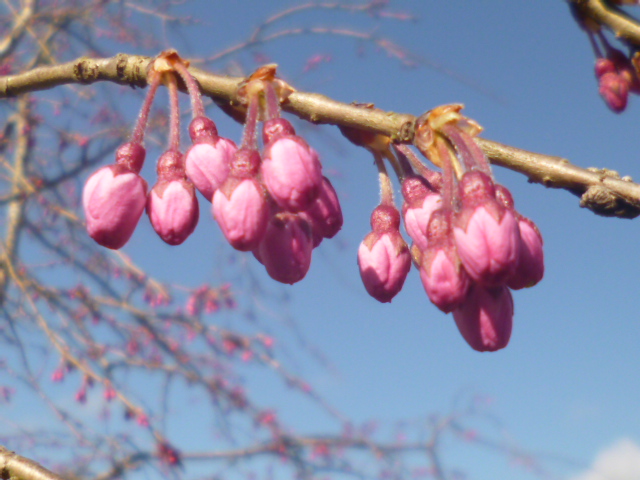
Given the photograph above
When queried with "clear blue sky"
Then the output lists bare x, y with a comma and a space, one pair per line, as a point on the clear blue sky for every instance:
568, 383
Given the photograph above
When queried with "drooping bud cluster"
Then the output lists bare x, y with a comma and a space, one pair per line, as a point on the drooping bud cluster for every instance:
276, 204
115, 196
617, 74
469, 243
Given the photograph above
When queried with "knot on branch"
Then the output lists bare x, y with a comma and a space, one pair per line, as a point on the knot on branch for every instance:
602, 200
86, 71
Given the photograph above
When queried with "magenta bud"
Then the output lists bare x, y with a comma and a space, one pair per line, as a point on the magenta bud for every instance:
173, 210
530, 269
113, 200
292, 173
443, 277
131, 156
417, 215
385, 218
485, 319
285, 249
207, 163
241, 209
614, 89
202, 129
325, 214
486, 233
604, 65
276, 127
383, 257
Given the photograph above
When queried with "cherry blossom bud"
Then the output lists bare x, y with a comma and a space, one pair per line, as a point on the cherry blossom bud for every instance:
114, 198
485, 319
420, 203
614, 89
173, 210
604, 65
443, 277
292, 172
325, 214
207, 162
285, 249
240, 205
383, 257
241, 210
530, 269
276, 127
172, 205
486, 233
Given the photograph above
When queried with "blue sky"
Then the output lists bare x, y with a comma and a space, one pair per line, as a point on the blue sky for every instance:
568, 383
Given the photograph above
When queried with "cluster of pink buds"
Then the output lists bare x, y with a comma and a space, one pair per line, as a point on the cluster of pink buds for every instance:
617, 73
115, 197
469, 243
275, 204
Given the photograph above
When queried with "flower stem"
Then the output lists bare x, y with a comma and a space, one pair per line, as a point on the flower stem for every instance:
249, 136
143, 117
174, 119
386, 188
272, 101
192, 86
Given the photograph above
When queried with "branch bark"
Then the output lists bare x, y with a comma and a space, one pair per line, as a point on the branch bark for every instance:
15, 467
601, 190
621, 24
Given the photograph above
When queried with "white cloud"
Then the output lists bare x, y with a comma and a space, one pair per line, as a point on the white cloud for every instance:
620, 461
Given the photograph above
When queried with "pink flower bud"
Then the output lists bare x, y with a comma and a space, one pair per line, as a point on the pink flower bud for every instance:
486, 233
240, 208
292, 172
207, 162
325, 214
383, 257
172, 205
614, 89
285, 249
443, 277
530, 269
114, 198
604, 65
485, 319
420, 203
173, 210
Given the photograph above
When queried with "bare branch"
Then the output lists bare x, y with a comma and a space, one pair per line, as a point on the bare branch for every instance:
602, 191
15, 467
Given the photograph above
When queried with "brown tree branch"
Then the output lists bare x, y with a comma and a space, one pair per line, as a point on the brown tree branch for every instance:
15, 467
602, 191
622, 25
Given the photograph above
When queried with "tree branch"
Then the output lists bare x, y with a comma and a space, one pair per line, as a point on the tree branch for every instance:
601, 190
15, 467
622, 25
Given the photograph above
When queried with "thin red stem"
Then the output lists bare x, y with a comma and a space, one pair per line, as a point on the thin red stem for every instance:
143, 117
194, 89
386, 187
272, 101
174, 119
249, 136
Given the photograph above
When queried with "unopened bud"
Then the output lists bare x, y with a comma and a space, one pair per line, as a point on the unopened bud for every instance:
113, 199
